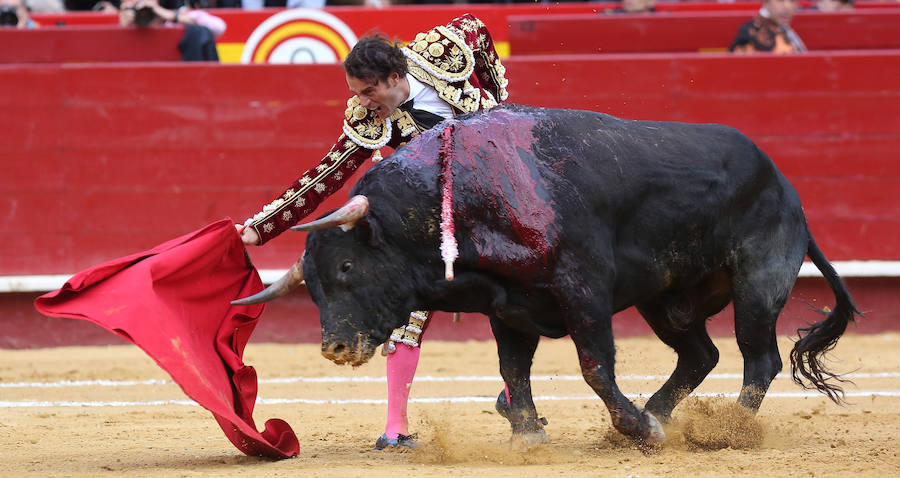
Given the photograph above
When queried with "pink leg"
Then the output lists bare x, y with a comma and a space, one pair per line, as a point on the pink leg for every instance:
401, 369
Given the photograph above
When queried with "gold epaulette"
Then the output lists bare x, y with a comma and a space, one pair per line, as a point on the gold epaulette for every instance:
364, 127
442, 54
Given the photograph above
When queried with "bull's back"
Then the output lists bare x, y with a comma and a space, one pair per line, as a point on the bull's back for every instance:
529, 181
591, 164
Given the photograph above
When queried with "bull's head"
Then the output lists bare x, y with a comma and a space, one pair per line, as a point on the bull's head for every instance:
346, 269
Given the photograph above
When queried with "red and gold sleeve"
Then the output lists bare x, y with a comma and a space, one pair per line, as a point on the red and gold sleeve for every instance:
364, 132
488, 72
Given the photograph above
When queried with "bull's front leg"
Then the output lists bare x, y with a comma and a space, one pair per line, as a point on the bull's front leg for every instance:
516, 351
593, 339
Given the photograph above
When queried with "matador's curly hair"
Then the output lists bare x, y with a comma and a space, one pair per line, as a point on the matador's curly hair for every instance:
375, 57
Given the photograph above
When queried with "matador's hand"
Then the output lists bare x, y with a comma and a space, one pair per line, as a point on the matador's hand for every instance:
248, 235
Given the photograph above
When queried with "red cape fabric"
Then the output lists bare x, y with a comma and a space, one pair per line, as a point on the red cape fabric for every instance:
173, 302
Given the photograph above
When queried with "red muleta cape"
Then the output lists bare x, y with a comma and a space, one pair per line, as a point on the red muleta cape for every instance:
173, 302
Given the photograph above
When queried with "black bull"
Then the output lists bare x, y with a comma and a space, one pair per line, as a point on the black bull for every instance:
564, 218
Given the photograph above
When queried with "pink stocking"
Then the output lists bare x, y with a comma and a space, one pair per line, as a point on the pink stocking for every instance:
401, 369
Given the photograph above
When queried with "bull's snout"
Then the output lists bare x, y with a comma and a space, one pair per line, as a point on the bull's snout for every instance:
340, 352
334, 351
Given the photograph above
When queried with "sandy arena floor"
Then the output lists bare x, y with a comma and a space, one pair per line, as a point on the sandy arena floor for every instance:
112, 426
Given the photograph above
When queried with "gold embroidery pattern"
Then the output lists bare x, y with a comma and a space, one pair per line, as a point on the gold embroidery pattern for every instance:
450, 64
410, 333
404, 123
364, 127
468, 26
306, 182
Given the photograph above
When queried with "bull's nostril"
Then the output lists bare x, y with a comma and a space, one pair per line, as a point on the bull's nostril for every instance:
338, 350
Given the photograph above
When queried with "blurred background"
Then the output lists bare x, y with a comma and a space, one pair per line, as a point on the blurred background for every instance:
128, 124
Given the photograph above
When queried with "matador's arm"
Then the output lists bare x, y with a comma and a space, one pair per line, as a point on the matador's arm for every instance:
364, 132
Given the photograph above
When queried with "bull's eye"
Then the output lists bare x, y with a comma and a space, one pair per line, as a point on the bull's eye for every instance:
346, 266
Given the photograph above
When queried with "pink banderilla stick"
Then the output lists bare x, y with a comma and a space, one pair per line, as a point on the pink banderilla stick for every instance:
449, 251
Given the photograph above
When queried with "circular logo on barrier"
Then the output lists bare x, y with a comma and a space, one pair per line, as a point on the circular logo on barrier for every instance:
299, 35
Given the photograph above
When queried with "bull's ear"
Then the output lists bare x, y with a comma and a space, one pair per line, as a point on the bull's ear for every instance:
369, 231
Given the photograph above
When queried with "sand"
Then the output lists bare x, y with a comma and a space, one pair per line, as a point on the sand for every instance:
151, 432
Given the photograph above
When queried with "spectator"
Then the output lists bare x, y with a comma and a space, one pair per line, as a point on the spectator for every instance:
834, 5
46, 6
770, 31
200, 28
105, 7
635, 6
13, 13
134, 12
259, 4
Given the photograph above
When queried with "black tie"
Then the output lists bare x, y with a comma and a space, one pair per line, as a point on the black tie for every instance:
424, 119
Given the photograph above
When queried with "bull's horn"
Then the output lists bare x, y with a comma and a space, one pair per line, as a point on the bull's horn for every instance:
287, 283
345, 217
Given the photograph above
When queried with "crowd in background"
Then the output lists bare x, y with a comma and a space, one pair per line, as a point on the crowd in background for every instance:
59, 6
769, 31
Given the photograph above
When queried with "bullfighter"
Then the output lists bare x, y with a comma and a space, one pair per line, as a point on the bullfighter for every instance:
399, 91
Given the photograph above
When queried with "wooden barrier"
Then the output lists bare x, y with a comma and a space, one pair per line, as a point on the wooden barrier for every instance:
105, 160
692, 32
294, 318
90, 44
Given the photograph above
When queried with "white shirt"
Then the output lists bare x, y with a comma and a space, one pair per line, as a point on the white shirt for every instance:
426, 98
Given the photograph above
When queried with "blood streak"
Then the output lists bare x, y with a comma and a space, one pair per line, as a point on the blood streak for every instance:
501, 178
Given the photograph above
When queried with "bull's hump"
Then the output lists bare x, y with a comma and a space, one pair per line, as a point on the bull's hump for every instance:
504, 184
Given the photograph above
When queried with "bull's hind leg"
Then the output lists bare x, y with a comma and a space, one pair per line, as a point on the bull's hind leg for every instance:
516, 351
697, 356
760, 293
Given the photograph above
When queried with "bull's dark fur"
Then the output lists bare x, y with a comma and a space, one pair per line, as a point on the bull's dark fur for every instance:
675, 219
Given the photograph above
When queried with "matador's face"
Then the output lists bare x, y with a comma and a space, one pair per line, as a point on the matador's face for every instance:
383, 97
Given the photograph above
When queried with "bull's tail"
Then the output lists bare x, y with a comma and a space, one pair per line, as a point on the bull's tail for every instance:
819, 338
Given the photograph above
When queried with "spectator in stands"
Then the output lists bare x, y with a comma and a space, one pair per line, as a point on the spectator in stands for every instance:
200, 28
14, 13
129, 13
258, 4
770, 31
834, 5
634, 6
46, 6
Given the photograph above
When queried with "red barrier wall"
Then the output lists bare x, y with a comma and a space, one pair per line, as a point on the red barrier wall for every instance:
101, 161
692, 32
295, 318
90, 44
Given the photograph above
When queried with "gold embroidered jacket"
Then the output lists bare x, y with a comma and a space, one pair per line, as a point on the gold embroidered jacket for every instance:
458, 60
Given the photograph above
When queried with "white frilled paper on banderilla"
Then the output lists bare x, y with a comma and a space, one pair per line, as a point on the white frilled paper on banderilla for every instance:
449, 249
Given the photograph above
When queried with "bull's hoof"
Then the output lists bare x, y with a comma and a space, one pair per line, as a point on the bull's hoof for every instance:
502, 406
527, 440
408, 441
656, 436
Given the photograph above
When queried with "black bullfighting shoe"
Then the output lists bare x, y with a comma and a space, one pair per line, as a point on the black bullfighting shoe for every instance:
502, 406
409, 441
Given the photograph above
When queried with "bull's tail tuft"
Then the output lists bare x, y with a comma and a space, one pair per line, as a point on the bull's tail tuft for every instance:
821, 337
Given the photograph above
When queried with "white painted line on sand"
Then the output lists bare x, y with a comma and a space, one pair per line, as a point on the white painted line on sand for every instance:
424, 378
381, 401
